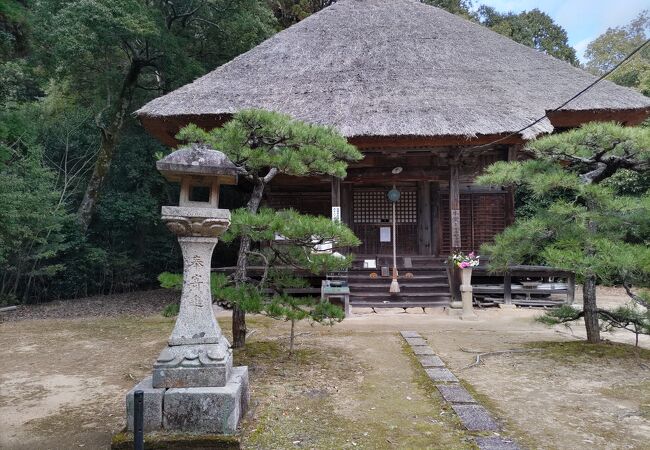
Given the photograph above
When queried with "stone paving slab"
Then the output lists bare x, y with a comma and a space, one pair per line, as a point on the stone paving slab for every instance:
430, 361
455, 393
410, 334
496, 443
475, 417
441, 374
416, 341
422, 350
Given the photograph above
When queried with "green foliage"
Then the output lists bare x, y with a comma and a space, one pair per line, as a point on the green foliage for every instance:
171, 310
610, 48
255, 140
92, 43
302, 238
299, 248
459, 7
289, 12
533, 28
575, 219
32, 216
63, 68
591, 138
174, 281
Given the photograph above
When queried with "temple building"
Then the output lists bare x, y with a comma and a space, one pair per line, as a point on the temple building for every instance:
430, 98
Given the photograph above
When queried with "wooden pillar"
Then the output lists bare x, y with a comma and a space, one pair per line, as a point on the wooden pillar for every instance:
436, 225
424, 217
346, 204
571, 289
454, 203
513, 151
336, 193
507, 288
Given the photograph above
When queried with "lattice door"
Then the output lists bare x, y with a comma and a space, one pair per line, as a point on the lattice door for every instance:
371, 210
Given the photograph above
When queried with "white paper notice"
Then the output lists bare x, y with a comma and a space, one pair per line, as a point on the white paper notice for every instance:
336, 213
384, 234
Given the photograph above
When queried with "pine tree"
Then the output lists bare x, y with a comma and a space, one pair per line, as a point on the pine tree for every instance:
263, 144
581, 224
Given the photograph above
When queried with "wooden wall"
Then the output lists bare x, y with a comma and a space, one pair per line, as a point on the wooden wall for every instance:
484, 212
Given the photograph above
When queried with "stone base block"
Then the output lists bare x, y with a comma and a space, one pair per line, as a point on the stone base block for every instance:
179, 377
208, 409
153, 405
185, 366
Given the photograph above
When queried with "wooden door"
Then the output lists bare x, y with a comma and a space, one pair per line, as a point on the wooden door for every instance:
483, 215
371, 211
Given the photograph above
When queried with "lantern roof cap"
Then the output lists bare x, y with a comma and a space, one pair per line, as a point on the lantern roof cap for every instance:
196, 159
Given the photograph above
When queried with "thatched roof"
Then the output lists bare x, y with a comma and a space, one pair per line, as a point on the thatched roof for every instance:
374, 68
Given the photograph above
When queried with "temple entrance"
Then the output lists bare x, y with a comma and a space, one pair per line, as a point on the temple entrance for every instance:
372, 220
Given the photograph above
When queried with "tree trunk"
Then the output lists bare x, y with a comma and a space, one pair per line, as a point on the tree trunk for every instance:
589, 305
591, 310
240, 277
109, 139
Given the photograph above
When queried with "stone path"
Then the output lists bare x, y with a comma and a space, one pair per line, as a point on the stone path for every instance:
472, 415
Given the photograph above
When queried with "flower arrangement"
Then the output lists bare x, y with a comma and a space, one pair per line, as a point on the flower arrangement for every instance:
464, 261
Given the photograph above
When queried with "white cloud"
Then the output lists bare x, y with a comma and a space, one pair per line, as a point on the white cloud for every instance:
581, 46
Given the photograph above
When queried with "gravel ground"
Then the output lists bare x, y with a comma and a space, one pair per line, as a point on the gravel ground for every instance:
141, 303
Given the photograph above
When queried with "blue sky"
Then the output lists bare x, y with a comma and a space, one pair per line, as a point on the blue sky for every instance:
583, 20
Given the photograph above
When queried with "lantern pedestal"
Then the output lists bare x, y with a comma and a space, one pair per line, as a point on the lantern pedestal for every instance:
198, 354
194, 387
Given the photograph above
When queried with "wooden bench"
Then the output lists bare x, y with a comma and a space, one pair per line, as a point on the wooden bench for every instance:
513, 293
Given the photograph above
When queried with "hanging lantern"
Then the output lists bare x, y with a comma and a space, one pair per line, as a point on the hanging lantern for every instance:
393, 195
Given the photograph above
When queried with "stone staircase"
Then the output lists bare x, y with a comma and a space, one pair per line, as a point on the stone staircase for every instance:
423, 283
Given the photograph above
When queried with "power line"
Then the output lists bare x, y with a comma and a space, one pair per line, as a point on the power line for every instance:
598, 80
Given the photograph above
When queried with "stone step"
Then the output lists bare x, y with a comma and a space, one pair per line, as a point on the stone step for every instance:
365, 276
409, 295
409, 286
401, 304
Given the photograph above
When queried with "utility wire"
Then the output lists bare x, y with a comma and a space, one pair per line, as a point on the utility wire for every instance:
638, 49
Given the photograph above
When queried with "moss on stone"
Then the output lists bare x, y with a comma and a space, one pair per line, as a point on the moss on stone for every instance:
176, 441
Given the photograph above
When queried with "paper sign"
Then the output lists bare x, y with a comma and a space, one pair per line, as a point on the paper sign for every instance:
384, 234
336, 213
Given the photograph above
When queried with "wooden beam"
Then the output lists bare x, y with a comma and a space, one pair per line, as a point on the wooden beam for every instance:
386, 176
430, 141
424, 217
569, 119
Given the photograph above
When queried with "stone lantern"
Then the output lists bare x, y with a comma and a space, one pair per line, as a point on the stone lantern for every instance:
194, 387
